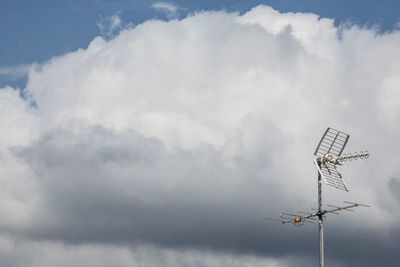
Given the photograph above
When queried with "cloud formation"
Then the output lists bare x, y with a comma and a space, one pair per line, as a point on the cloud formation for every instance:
110, 26
176, 137
170, 9
15, 72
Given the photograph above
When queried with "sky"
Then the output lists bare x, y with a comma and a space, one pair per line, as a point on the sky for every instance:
145, 133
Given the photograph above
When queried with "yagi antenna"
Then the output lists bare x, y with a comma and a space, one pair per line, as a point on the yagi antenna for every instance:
329, 155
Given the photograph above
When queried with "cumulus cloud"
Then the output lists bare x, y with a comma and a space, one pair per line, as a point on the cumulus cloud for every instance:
180, 135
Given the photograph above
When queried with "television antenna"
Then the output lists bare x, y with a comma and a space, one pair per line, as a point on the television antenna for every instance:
329, 155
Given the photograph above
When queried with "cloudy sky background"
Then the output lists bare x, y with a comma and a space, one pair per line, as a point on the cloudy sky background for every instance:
162, 142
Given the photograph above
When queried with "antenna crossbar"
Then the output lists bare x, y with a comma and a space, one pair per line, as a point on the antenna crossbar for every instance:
297, 218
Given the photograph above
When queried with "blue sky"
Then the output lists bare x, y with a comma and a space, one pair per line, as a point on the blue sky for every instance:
37, 30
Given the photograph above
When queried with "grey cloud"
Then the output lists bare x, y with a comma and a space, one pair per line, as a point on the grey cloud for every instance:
100, 185
394, 186
107, 188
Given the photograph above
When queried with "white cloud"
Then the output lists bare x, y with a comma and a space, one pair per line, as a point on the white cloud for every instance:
181, 134
170, 9
15, 71
111, 26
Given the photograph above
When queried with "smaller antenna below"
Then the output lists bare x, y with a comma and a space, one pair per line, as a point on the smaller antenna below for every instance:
301, 217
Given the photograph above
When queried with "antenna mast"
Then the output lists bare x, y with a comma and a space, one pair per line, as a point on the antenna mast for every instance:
328, 152
320, 223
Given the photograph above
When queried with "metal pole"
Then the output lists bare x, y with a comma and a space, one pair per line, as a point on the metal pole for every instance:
320, 221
